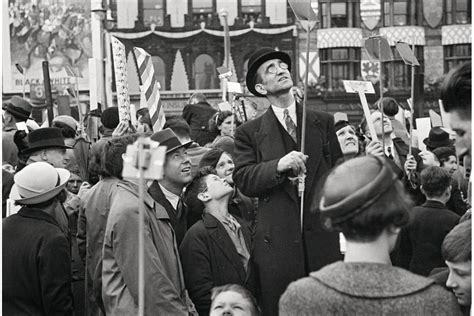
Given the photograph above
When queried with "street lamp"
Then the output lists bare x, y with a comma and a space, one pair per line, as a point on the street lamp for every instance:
224, 14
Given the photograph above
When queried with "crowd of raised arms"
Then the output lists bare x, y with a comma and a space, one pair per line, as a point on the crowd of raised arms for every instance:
241, 221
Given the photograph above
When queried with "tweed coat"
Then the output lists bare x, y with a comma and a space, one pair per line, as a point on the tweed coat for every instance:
165, 293
362, 288
209, 259
36, 265
198, 115
418, 246
281, 252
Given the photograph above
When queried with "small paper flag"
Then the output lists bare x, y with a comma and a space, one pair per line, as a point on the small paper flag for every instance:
376, 52
407, 54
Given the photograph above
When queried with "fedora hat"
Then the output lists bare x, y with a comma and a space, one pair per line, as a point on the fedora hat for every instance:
169, 139
438, 138
257, 59
46, 137
18, 107
37, 183
66, 120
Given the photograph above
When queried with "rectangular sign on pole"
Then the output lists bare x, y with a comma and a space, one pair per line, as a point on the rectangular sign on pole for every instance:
121, 81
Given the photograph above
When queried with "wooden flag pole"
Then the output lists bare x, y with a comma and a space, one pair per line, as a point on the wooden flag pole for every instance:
381, 93
47, 91
412, 107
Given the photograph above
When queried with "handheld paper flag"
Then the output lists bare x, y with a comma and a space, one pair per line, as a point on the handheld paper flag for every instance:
305, 16
407, 54
377, 48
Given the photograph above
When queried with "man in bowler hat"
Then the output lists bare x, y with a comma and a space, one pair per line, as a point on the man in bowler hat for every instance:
267, 160
16, 110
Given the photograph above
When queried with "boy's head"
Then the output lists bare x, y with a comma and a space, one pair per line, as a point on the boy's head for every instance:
456, 251
436, 183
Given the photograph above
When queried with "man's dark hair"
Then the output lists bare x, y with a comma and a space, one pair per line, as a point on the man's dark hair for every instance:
111, 160
179, 126
435, 181
456, 91
456, 246
390, 106
198, 185
197, 98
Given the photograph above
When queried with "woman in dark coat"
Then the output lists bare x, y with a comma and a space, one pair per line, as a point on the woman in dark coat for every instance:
363, 199
215, 250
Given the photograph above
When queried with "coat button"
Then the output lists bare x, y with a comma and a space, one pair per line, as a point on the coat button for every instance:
203, 127
266, 199
266, 239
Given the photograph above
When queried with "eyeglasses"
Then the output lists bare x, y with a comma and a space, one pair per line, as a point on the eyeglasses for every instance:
273, 69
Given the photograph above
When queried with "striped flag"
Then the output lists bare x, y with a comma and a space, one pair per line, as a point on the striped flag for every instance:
150, 88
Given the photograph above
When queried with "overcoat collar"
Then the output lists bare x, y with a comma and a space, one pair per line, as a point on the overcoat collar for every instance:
434, 204
272, 146
133, 189
370, 280
221, 237
35, 213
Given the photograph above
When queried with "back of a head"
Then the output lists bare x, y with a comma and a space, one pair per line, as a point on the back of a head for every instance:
179, 126
390, 106
197, 98
112, 161
456, 246
435, 181
361, 197
110, 117
456, 90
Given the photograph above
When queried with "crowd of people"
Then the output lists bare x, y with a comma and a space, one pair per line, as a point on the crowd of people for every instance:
380, 228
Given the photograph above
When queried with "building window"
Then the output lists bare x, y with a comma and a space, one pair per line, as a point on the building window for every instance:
397, 75
153, 12
455, 55
339, 64
205, 75
160, 71
338, 13
458, 11
251, 11
202, 11
396, 12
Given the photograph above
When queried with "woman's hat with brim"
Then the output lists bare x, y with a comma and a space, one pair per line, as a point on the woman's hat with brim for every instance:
257, 59
18, 107
438, 138
43, 138
169, 139
353, 186
37, 183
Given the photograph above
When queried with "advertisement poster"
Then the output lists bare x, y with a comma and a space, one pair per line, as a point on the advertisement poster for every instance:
58, 31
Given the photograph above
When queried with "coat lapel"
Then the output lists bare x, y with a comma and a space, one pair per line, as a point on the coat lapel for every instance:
225, 244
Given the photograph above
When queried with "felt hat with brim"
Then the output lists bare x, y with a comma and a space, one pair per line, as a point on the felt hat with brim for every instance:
18, 107
353, 186
438, 138
43, 138
257, 59
37, 183
169, 139
66, 120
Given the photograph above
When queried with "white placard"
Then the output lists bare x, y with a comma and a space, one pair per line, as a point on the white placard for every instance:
234, 87
354, 86
423, 127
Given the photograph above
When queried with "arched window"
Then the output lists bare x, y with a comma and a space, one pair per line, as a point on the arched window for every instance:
160, 71
205, 74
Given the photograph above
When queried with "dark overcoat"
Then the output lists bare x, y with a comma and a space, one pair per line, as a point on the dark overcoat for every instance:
418, 246
36, 265
198, 115
209, 258
281, 252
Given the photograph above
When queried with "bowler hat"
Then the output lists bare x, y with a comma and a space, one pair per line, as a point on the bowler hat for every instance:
18, 107
257, 59
169, 139
438, 138
353, 186
37, 183
46, 137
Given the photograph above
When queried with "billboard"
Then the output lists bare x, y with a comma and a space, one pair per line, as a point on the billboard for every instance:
58, 31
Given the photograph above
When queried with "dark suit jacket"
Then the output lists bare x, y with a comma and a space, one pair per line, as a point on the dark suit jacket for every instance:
36, 265
418, 247
197, 116
209, 259
177, 217
281, 253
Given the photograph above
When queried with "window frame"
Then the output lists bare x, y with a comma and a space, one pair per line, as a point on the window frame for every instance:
329, 66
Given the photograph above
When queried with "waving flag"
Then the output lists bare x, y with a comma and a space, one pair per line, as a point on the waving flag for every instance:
150, 88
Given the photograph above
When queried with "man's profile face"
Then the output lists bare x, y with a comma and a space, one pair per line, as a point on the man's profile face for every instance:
462, 126
57, 157
459, 281
377, 120
274, 76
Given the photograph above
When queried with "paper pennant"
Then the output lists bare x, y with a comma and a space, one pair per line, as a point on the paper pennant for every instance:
307, 18
407, 54
377, 48
121, 82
